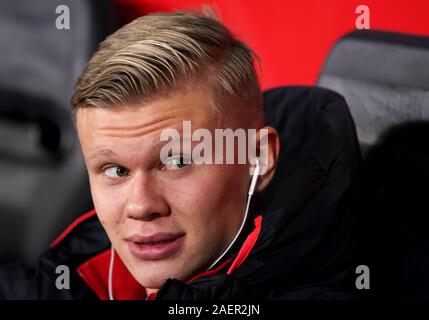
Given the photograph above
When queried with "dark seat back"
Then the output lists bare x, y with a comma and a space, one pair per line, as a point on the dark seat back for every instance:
384, 78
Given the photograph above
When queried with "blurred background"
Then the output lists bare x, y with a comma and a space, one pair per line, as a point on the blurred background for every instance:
293, 38
384, 77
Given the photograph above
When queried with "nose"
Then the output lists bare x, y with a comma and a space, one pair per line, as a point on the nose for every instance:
144, 200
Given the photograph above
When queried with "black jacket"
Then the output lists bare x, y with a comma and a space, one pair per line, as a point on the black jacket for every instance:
303, 248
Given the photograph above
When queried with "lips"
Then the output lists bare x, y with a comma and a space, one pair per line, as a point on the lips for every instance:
155, 247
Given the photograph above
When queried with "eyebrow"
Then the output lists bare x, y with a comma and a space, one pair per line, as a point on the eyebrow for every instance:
105, 152
100, 153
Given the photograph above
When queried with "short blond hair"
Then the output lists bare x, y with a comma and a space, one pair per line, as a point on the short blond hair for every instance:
161, 52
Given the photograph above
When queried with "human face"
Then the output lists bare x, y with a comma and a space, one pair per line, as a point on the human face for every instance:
197, 208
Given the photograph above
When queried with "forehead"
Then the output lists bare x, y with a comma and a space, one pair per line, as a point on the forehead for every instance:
148, 119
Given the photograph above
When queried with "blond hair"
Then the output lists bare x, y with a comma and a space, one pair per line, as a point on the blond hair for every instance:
161, 52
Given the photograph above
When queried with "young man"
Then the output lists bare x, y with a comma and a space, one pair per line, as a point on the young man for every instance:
175, 210
168, 217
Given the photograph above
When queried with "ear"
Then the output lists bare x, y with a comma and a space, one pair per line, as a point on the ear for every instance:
268, 154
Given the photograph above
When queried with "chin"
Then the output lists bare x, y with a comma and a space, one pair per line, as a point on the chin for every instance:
152, 283
155, 274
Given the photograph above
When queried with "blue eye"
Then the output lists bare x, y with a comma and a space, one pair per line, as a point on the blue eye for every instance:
116, 172
177, 162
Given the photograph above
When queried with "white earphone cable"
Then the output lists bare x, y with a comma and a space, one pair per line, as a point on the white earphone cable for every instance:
110, 278
249, 197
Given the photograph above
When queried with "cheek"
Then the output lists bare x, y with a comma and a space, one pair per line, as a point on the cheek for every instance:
108, 204
224, 188
214, 200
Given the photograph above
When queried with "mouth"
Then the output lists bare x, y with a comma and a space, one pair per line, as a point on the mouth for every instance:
155, 247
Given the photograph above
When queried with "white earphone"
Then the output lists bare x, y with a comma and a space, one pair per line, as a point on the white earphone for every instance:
249, 197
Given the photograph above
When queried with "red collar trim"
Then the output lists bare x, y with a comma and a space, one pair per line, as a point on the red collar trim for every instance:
95, 271
247, 246
72, 226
